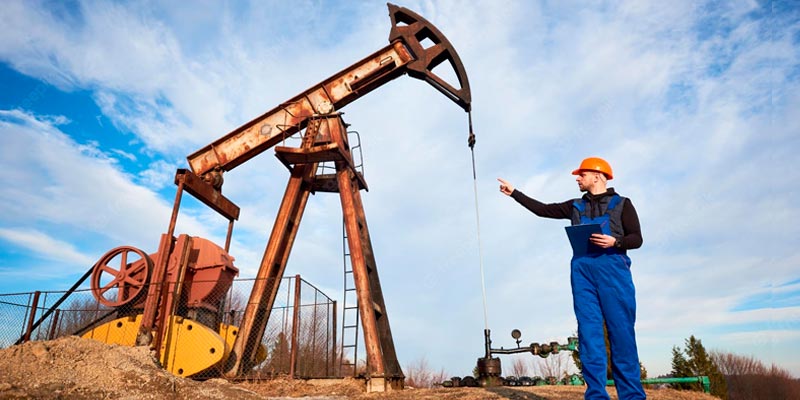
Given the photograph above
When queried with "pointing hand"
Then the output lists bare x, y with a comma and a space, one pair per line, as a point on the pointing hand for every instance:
505, 187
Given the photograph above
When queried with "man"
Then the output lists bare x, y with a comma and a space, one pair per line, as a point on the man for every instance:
602, 287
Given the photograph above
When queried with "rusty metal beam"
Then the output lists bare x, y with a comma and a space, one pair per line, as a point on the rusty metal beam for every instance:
31, 317
290, 117
171, 293
381, 356
406, 53
54, 325
413, 29
207, 194
154, 298
273, 264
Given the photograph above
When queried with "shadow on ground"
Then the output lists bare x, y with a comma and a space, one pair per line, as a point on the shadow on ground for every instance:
512, 394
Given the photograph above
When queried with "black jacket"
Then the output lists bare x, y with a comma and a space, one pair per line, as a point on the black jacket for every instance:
630, 220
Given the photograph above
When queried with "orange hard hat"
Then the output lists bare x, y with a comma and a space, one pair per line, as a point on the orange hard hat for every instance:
595, 164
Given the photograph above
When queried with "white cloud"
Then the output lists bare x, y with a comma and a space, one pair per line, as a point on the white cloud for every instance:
46, 246
50, 180
124, 154
158, 174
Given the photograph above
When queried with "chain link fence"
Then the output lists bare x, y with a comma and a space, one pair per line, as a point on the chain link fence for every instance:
301, 324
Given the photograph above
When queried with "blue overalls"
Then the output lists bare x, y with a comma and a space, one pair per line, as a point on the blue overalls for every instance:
602, 290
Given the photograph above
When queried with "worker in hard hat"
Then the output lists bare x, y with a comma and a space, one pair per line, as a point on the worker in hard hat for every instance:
602, 287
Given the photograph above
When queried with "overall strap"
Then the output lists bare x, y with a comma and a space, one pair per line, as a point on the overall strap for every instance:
580, 204
615, 200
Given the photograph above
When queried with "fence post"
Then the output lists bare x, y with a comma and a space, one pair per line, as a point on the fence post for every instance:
54, 325
314, 369
333, 345
32, 316
295, 323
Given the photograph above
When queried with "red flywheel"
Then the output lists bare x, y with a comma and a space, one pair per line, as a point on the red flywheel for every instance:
121, 276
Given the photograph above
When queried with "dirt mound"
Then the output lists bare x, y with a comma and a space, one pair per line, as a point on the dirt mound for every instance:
75, 368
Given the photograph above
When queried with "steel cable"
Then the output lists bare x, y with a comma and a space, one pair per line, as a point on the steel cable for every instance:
471, 143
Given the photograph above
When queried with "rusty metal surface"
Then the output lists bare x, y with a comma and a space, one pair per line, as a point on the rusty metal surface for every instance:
192, 276
159, 301
206, 193
382, 359
149, 323
209, 274
34, 306
295, 328
405, 54
273, 264
290, 117
392, 370
413, 30
120, 276
173, 283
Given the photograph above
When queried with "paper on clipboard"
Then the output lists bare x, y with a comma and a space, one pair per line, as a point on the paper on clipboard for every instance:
579, 239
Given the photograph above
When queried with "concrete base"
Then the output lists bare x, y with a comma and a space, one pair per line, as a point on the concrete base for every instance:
332, 381
383, 384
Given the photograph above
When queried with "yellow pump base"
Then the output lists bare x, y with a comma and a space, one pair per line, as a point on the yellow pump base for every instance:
189, 347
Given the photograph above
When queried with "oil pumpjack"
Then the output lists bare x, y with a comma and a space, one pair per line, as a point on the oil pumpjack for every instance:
171, 300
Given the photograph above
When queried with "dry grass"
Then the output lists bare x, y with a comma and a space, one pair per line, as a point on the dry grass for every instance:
350, 389
77, 368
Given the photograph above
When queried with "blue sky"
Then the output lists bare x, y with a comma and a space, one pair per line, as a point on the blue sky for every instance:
691, 102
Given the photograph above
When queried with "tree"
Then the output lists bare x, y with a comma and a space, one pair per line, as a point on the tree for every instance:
555, 365
750, 379
693, 360
277, 362
420, 375
79, 314
519, 367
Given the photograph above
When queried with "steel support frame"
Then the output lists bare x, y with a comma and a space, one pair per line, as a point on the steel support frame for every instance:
383, 369
273, 265
159, 304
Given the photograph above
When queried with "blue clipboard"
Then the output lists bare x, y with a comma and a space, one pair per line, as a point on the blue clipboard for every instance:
579, 239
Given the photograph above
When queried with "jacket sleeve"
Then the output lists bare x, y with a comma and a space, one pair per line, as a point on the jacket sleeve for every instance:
553, 210
630, 224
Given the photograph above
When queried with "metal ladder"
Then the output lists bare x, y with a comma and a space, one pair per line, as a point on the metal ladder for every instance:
350, 316
350, 313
